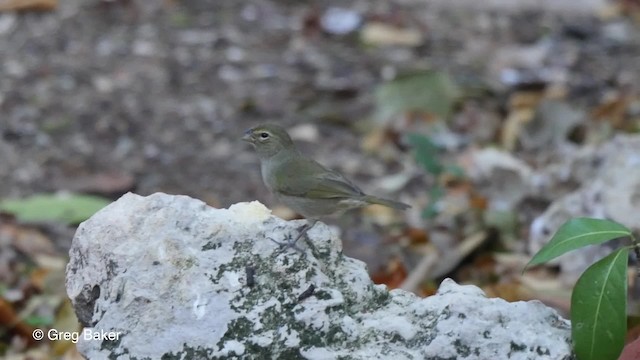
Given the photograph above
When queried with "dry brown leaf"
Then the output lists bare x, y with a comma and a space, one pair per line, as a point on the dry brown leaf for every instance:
10, 320
513, 126
392, 276
510, 291
522, 106
478, 202
525, 99
38, 278
373, 140
28, 5
428, 289
613, 110
416, 236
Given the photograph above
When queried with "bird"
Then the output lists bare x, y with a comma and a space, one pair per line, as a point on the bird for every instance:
301, 183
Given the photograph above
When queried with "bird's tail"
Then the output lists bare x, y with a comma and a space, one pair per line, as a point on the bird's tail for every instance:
390, 203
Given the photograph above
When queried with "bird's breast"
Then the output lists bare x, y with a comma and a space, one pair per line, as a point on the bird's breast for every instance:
267, 175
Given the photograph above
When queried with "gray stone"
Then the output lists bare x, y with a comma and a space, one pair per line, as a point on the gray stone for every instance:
180, 280
609, 187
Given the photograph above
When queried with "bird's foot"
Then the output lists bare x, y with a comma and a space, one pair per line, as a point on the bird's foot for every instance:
291, 244
284, 245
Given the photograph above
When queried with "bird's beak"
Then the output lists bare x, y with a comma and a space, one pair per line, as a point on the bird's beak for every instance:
248, 136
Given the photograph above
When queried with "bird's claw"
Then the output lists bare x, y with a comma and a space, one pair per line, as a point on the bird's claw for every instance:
287, 245
291, 244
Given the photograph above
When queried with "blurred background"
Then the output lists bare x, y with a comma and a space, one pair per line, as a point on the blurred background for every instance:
496, 120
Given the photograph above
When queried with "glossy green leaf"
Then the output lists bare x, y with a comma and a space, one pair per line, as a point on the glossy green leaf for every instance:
429, 92
598, 308
67, 208
577, 233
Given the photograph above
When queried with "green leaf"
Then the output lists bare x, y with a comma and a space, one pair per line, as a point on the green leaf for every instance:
455, 170
598, 308
577, 233
430, 92
36, 320
435, 195
67, 208
426, 153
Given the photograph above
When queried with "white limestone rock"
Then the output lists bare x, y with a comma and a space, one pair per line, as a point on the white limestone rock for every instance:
170, 275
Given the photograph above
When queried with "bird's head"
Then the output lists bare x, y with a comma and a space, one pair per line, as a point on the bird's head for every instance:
268, 139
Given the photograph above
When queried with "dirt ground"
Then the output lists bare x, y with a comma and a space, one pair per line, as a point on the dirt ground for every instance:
105, 97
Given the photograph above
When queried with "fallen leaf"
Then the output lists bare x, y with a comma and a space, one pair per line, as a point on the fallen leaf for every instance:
28, 5
510, 291
426, 92
416, 236
522, 106
613, 109
392, 276
68, 208
381, 34
513, 126
10, 320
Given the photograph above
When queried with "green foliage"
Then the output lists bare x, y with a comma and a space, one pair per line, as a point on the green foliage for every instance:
599, 298
577, 233
429, 92
598, 308
67, 208
39, 321
436, 193
426, 154
423, 92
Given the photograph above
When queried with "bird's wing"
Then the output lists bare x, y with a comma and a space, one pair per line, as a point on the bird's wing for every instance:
305, 177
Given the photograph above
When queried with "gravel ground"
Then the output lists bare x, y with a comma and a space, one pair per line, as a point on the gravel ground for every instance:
154, 95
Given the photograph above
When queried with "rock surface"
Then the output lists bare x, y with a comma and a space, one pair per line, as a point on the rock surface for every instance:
180, 280
609, 187
598, 181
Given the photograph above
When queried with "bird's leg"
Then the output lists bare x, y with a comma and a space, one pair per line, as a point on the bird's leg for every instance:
286, 245
303, 230
292, 243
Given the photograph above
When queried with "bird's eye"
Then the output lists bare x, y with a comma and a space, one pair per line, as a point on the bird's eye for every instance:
264, 135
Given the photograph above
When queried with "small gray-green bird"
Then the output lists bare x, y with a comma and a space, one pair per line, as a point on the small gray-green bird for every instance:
301, 183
